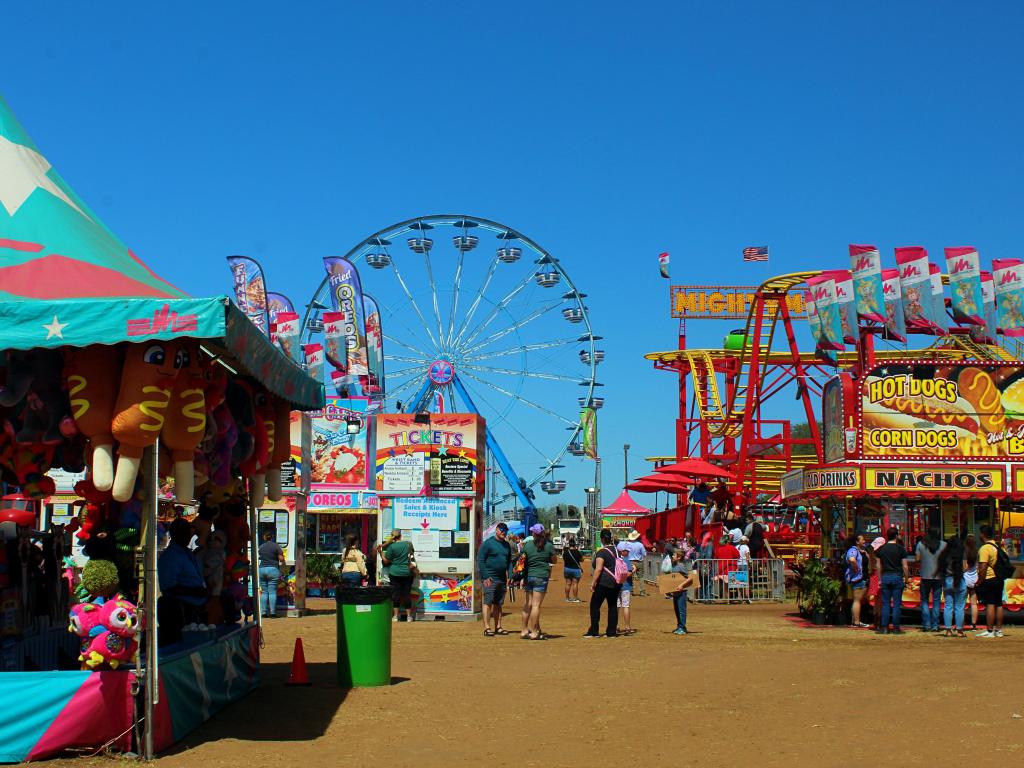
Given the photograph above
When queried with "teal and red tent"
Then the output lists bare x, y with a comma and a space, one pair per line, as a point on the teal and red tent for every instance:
67, 280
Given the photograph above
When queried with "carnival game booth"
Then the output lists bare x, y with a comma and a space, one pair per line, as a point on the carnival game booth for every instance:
110, 370
922, 443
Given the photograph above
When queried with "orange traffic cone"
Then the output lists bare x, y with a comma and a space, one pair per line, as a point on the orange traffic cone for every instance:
298, 675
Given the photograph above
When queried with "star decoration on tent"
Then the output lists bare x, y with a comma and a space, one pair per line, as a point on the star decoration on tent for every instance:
442, 450
55, 328
22, 172
462, 454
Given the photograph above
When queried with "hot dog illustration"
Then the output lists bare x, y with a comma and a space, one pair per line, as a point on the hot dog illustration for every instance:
94, 378
141, 409
281, 450
185, 425
937, 411
976, 386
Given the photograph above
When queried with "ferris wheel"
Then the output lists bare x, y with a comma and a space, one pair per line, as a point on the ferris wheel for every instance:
479, 318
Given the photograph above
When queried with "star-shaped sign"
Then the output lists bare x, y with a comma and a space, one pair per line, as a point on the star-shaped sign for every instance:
462, 454
22, 172
55, 328
442, 450
410, 451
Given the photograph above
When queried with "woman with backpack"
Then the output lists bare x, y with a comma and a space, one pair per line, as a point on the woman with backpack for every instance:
951, 567
604, 587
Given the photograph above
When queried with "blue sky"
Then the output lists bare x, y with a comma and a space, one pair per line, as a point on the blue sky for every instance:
607, 132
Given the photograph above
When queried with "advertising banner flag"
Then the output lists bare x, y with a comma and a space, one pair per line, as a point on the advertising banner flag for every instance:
347, 296
1008, 277
278, 302
986, 334
250, 290
334, 340
314, 359
287, 332
663, 259
588, 426
812, 317
866, 266
939, 314
895, 325
964, 268
916, 290
374, 347
830, 326
847, 307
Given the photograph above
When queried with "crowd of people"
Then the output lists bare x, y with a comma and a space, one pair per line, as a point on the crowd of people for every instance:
508, 562
955, 573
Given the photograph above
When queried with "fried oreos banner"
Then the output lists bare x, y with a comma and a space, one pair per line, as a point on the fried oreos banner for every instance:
347, 298
250, 290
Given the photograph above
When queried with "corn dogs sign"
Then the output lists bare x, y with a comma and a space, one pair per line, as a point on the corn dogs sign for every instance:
937, 409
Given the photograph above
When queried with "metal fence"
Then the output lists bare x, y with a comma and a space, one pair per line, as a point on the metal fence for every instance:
725, 581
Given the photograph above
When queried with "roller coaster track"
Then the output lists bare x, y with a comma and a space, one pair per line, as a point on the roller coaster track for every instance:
726, 419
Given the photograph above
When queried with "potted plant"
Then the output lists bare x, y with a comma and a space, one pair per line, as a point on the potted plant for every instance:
321, 574
818, 593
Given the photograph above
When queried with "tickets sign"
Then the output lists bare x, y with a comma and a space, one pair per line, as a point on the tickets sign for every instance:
442, 455
724, 302
936, 409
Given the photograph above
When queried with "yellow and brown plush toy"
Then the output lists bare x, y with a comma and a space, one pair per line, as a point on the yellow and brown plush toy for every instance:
94, 378
143, 399
186, 419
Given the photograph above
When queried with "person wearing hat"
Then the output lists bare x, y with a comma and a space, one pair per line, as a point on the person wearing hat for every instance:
637, 553
494, 561
540, 556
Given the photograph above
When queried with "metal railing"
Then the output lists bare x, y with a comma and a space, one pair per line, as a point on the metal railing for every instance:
725, 581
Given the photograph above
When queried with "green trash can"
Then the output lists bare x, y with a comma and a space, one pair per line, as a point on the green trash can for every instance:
364, 636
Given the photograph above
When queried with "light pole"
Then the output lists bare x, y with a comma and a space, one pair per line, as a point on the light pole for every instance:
625, 465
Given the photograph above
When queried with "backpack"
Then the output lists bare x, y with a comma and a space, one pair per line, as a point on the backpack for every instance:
1003, 567
621, 572
519, 569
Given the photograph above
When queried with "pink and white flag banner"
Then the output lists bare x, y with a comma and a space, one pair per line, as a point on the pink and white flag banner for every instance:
916, 290
986, 334
963, 265
830, 326
895, 325
1008, 277
847, 306
866, 267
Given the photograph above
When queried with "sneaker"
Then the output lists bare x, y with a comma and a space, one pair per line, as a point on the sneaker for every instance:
679, 632
881, 631
590, 634
897, 631
986, 633
999, 633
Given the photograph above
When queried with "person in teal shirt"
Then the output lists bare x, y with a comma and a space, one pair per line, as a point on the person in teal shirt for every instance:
398, 556
540, 556
495, 563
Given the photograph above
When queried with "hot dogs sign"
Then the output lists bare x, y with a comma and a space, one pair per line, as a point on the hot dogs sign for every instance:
928, 410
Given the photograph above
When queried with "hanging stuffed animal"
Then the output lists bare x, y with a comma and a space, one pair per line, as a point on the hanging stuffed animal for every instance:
186, 419
94, 378
239, 402
265, 420
142, 402
280, 449
33, 389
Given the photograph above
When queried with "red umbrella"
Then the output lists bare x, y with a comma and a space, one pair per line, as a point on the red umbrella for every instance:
658, 483
697, 468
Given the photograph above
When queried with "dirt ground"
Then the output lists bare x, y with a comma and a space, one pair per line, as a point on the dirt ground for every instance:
747, 687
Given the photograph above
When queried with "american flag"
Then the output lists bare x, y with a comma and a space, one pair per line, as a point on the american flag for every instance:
759, 253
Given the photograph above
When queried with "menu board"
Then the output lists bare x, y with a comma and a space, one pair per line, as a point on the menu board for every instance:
452, 474
403, 474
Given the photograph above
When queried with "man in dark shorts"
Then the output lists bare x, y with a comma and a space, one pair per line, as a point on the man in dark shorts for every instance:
990, 587
495, 561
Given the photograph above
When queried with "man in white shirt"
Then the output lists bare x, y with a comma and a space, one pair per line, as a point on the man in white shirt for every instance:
637, 553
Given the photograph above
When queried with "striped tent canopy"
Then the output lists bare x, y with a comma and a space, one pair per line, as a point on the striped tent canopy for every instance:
52, 246
67, 280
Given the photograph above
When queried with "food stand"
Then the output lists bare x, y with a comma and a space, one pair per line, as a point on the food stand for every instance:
920, 443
